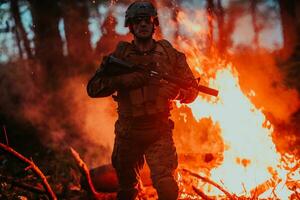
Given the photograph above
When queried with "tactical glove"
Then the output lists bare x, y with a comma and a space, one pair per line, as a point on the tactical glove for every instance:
187, 96
168, 90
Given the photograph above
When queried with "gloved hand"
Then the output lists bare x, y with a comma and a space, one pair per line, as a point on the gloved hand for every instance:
129, 81
187, 96
168, 90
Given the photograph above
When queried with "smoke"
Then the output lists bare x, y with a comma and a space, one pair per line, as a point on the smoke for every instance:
258, 72
95, 118
68, 117
62, 118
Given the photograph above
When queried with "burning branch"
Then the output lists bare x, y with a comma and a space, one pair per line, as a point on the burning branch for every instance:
34, 168
260, 189
201, 194
210, 182
86, 173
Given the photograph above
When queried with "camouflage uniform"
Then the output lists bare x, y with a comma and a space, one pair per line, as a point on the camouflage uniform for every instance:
143, 130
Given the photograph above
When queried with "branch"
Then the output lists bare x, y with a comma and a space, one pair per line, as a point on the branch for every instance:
19, 184
34, 168
205, 179
201, 194
15, 10
87, 177
5, 134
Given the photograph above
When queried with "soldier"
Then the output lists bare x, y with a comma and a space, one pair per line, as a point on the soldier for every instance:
143, 130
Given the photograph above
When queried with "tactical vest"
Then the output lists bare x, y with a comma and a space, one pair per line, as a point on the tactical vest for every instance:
146, 100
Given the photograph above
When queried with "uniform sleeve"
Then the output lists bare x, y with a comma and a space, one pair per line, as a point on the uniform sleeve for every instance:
183, 70
103, 86
100, 86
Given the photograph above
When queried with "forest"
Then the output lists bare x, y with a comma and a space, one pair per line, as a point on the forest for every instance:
50, 49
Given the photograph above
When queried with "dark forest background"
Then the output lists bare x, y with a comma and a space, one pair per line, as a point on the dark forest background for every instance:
41, 117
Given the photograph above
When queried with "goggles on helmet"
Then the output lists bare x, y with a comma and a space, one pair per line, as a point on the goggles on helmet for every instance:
137, 20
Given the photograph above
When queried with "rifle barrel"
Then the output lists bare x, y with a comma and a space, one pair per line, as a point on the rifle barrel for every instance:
207, 90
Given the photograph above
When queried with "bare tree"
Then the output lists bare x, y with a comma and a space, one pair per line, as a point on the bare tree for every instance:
290, 19
289, 26
48, 43
253, 5
76, 15
226, 27
20, 30
210, 7
220, 20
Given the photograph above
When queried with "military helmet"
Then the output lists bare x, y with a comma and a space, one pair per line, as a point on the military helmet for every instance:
140, 8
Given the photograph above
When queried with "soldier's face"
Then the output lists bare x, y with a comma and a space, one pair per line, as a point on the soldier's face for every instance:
143, 27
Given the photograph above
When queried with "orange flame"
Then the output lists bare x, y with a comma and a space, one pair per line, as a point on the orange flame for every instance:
251, 166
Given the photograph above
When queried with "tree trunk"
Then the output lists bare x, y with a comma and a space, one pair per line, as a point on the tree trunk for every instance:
210, 17
289, 30
290, 18
76, 15
289, 62
20, 31
175, 11
233, 12
253, 5
48, 43
220, 20
18, 40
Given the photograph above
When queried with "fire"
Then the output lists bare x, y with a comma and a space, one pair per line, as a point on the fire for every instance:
251, 164
250, 150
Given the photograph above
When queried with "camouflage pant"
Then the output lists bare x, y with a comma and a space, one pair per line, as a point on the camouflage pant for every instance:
133, 147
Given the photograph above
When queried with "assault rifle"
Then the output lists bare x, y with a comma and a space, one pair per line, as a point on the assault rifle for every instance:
114, 66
